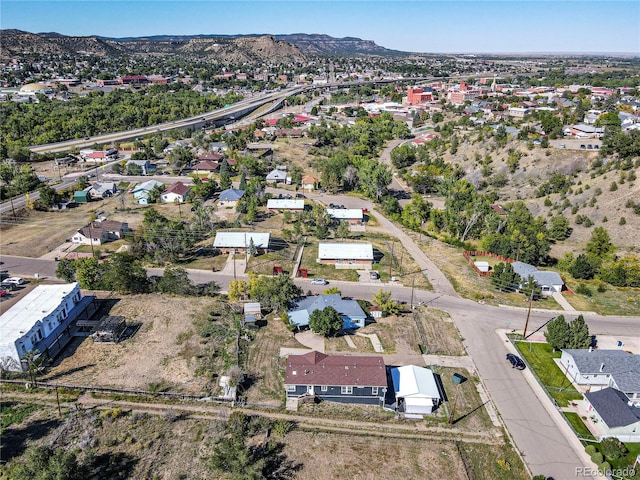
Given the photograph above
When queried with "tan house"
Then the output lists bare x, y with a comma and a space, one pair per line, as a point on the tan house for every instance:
310, 182
346, 255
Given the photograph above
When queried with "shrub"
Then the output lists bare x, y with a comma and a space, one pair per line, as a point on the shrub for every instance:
623, 221
613, 448
597, 458
590, 449
582, 289
605, 467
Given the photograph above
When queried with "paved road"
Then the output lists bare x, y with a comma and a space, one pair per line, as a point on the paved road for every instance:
533, 427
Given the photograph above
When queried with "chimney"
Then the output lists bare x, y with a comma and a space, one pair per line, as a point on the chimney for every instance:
590, 349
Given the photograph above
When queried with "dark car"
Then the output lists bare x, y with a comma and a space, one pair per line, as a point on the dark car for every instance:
516, 362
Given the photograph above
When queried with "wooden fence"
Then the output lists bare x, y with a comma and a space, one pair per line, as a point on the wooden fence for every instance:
473, 253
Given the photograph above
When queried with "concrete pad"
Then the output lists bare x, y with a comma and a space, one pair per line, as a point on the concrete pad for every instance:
311, 340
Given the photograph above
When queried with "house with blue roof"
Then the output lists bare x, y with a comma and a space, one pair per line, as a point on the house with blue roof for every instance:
230, 197
352, 314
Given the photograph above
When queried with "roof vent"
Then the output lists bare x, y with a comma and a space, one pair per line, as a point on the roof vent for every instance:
602, 367
294, 373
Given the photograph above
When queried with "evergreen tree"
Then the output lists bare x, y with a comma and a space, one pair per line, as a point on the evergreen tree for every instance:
579, 334
582, 268
558, 333
504, 278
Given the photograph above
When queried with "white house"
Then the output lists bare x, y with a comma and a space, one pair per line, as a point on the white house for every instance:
346, 255
41, 321
416, 390
277, 176
352, 215
598, 369
549, 282
141, 191
175, 193
239, 242
613, 415
285, 204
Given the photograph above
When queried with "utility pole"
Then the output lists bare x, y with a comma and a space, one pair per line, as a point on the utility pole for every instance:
526, 323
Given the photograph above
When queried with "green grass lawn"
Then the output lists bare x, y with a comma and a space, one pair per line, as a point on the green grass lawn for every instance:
628, 459
539, 357
578, 425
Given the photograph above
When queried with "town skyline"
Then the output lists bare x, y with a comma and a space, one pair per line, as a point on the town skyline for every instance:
496, 27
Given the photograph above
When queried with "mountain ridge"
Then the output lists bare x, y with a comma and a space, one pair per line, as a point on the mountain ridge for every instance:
225, 48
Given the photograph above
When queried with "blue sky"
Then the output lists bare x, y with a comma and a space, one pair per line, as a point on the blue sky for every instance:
416, 26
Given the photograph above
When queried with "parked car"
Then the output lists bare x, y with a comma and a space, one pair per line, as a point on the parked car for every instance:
14, 280
583, 147
516, 361
373, 275
7, 286
562, 145
319, 281
300, 195
589, 147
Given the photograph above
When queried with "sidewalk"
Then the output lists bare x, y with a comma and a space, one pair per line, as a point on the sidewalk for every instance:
558, 297
553, 412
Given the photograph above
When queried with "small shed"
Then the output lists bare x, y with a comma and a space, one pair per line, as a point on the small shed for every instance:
482, 266
81, 196
253, 308
110, 330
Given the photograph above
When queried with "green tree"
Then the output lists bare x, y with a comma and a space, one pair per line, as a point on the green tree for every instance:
225, 180
599, 247
559, 228
612, 448
416, 212
124, 274
387, 304
582, 268
252, 248
46, 463
48, 196
403, 156
504, 278
343, 229
275, 293
530, 288
326, 322
88, 273
558, 333
66, 270
134, 169
579, 336
175, 280
238, 289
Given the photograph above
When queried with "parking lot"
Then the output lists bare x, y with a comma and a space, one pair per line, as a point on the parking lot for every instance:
586, 144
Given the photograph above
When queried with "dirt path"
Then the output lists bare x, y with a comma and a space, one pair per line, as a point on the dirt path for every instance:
413, 430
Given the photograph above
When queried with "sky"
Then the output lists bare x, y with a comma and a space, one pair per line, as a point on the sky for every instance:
449, 26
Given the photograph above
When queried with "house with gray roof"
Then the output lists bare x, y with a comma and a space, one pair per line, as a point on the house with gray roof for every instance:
549, 282
613, 414
352, 314
230, 197
597, 369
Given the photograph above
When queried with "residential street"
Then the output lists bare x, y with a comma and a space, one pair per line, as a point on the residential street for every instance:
529, 417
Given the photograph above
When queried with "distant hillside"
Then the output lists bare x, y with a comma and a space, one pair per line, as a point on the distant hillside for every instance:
222, 48
258, 49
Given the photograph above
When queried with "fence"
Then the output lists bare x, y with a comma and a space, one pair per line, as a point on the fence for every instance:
468, 254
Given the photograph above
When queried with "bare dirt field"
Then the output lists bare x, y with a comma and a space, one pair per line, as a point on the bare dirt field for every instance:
163, 351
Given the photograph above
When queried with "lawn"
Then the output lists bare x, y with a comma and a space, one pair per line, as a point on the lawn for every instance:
578, 425
540, 358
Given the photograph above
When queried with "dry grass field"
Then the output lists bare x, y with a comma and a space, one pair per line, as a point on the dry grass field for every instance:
166, 447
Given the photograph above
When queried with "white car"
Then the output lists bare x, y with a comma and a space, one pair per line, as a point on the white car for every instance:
14, 280
319, 281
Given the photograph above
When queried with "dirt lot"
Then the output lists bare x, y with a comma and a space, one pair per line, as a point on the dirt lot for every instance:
163, 351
